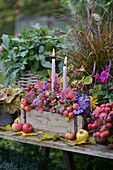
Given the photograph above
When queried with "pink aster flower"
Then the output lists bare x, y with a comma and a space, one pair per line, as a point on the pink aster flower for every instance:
103, 76
97, 76
0, 47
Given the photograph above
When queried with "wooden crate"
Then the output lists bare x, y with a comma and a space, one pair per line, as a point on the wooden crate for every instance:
27, 78
51, 122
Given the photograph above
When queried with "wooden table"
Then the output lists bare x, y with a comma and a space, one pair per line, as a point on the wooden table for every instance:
94, 150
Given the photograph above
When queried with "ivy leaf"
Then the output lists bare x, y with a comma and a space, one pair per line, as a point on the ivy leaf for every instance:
41, 49
67, 118
43, 73
23, 54
88, 80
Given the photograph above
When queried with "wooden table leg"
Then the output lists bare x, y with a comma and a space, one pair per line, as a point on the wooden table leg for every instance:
68, 159
44, 158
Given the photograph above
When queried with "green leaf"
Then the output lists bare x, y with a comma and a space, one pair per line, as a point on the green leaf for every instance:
34, 67
6, 40
41, 49
67, 118
98, 87
23, 54
46, 64
43, 73
37, 26
88, 80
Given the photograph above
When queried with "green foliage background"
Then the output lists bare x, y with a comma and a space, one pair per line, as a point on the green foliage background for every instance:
20, 156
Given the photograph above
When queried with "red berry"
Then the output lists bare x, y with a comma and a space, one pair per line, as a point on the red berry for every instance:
103, 105
98, 134
94, 126
89, 126
106, 133
107, 109
108, 119
78, 70
94, 134
111, 104
108, 125
71, 71
61, 102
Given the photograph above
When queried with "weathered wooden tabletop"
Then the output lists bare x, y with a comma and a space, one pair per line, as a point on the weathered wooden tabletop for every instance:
92, 149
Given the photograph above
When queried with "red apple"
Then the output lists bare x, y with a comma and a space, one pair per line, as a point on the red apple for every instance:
71, 114
75, 106
69, 109
27, 128
65, 113
70, 136
17, 126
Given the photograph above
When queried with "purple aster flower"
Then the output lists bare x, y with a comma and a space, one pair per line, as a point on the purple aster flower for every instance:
77, 95
97, 76
35, 102
79, 111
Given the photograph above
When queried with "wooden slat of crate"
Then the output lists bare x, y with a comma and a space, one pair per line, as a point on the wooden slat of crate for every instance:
48, 121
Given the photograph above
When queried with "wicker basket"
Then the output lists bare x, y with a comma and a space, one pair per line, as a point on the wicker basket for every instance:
27, 78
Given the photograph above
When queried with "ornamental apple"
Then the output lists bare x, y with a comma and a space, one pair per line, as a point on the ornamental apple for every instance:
71, 114
65, 113
17, 126
60, 110
27, 108
22, 106
70, 136
69, 109
27, 128
75, 106
22, 100
82, 135
24, 103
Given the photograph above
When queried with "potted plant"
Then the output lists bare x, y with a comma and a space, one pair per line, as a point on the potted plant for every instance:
29, 50
9, 104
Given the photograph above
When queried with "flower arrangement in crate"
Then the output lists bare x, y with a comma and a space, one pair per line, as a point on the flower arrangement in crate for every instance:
67, 102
